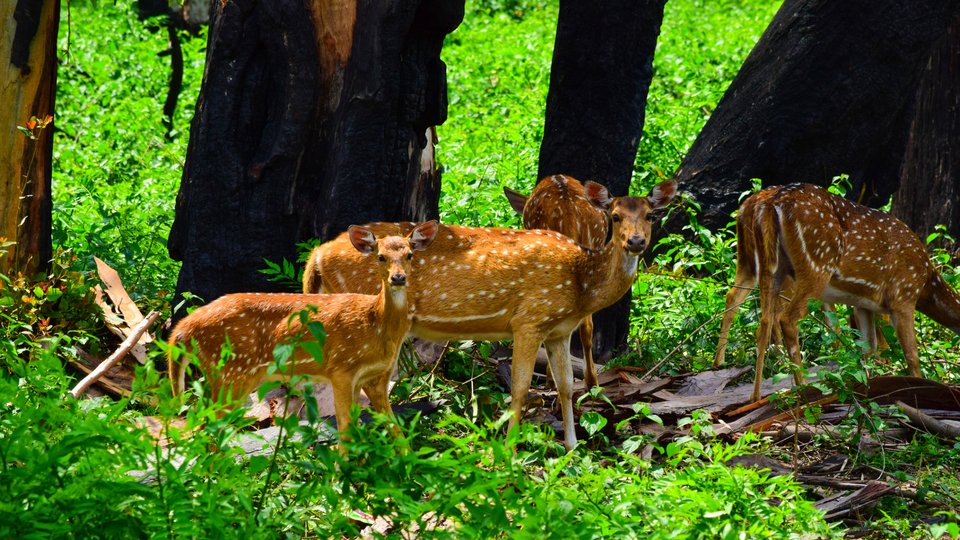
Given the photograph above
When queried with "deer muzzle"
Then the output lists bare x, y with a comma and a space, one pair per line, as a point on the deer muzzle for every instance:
636, 243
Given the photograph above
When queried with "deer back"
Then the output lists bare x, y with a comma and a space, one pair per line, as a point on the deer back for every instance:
561, 203
478, 282
873, 259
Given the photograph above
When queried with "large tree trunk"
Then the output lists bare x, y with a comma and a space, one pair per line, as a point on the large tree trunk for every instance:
828, 89
601, 71
28, 79
930, 175
312, 116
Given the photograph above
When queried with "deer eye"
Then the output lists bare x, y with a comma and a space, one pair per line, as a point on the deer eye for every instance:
616, 218
381, 257
410, 256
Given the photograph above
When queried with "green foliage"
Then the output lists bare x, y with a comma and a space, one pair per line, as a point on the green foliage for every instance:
79, 468
73, 468
59, 305
115, 175
492, 135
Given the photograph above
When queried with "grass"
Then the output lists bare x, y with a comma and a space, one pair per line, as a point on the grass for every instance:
66, 466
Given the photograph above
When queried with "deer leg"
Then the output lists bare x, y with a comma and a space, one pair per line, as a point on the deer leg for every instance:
525, 346
344, 391
379, 396
586, 339
868, 330
769, 306
735, 297
903, 323
558, 354
810, 287
377, 391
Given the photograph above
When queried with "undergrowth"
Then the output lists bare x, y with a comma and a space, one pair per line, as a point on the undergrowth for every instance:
86, 468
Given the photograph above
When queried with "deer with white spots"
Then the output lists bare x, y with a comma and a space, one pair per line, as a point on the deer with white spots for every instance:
531, 286
801, 236
364, 331
563, 204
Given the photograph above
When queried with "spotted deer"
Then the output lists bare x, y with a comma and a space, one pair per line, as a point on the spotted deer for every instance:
564, 204
747, 248
821, 246
531, 286
364, 331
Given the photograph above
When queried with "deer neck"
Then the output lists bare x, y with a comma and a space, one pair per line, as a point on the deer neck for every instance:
393, 309
608, 274
940, 302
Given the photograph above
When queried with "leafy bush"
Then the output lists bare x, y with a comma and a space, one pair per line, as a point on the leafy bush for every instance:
80, 468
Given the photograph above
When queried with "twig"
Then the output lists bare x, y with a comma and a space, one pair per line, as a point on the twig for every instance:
122, 351
928, 422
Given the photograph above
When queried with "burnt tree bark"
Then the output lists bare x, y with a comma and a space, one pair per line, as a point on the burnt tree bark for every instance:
601, 72
312, 116
930, 174
828, 89
28, 80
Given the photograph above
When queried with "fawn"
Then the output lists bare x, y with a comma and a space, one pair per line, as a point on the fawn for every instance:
801, 236
531, 286
364, 332
563, 204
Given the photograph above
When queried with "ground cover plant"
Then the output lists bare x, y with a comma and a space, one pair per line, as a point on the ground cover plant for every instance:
85, 468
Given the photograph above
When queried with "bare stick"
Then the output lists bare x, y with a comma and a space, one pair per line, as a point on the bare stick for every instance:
122, 351
928, 422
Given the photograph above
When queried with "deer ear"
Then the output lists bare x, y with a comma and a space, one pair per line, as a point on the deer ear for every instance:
362, 238
423, 235
517, 200
662, 193
598, 194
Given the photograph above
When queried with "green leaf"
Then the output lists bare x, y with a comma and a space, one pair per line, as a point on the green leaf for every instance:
266, 387
282, 352
593, 422
54, 294
313, 410
313, 349
317, 331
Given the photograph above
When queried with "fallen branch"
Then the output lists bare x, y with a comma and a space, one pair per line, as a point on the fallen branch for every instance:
929, 423
122, 351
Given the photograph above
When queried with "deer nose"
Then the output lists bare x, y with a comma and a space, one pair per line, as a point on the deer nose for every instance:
398, 279
636, 243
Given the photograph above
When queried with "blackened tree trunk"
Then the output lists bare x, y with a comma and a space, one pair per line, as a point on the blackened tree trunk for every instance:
28, 80
829, 89
601, 72
930, 175
312, 116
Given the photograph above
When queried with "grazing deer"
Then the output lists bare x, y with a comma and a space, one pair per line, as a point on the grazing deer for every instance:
825, 247
364, 332
748, 246
561, 203
531, 286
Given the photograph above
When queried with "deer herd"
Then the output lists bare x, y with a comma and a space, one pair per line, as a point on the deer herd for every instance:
376, 284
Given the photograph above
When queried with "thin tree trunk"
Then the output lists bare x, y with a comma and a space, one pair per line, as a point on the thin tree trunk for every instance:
829, 89
312, 116
28, 78
601, 72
